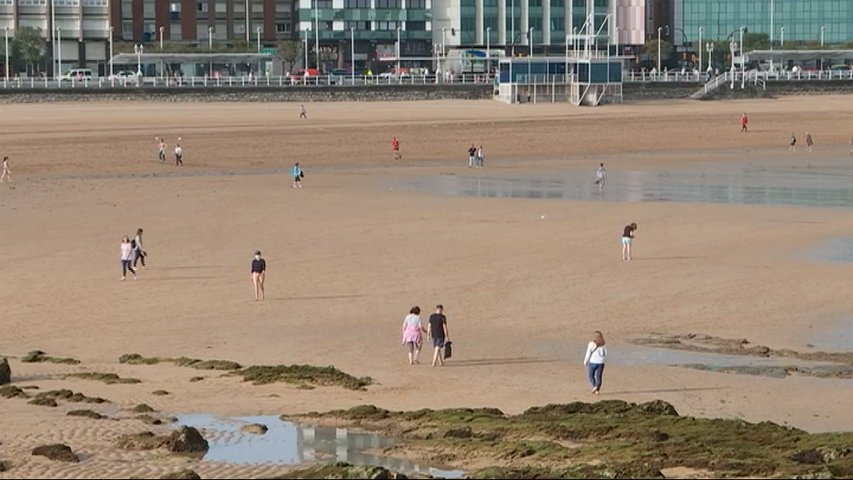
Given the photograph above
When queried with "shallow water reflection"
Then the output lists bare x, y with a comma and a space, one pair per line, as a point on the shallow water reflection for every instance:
291, 444
747, 184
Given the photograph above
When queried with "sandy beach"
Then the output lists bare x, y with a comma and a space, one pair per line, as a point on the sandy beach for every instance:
352, 251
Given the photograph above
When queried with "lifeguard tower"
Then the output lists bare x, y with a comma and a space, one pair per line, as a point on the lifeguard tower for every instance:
587, 75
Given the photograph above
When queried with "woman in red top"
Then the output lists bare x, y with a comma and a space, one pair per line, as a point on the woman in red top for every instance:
744, 120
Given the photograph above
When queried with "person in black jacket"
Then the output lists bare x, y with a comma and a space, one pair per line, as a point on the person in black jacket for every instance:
259, 270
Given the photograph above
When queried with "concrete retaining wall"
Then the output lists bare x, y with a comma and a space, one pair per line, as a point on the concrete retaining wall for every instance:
252, 94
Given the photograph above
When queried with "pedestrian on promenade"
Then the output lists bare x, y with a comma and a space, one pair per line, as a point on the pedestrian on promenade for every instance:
627, 240
126, 254
412, 329
596, 353
258, 275
438, 332
744, 121
809, 141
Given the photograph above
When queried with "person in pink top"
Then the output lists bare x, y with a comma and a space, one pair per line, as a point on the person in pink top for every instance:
744, 121
412, 330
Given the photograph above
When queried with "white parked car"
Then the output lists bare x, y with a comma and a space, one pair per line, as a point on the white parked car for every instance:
126, 77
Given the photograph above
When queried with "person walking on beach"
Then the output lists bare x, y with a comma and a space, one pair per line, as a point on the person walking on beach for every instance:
744, 120
480, 157
809, 141
258, 274
472, 155
179, 154
627, 240
138, 253
126, 254
161, 149
600, 176
596, 353
437, 331
7, 174
302, 113
792, 143
395, 147
412, 330
296, 171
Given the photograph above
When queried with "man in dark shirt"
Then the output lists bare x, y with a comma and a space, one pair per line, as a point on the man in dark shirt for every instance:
472, 155
259, 272
437, 330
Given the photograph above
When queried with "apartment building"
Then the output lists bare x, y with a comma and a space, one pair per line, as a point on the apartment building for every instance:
77, 31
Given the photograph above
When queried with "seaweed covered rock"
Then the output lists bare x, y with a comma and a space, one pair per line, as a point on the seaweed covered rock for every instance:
58, 452
181, 475
5, 371
344, 470
140, 441
85, 413
658, 407
11, 391
254, 428
187, 440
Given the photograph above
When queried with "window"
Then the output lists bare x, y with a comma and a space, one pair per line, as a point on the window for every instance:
282, 28
535, 3
388, 4
357, 26
357, 4
385, 26
221, 7
201, 7
416, 26
95, 3
416, 4
174, 12
66, 3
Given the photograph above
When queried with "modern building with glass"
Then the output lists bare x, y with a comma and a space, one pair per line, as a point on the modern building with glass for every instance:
509, 24
791, 21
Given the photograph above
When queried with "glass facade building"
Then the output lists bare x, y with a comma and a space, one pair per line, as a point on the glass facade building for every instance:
802, 19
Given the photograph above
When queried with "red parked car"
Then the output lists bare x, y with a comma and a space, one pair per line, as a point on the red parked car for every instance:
303, 75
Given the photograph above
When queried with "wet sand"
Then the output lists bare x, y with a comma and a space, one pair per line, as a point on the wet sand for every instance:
350, 253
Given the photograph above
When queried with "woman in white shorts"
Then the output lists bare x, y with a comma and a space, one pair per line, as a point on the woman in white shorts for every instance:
627, 240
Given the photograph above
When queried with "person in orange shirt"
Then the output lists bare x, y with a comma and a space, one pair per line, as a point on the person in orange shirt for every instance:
744, 120
395, 146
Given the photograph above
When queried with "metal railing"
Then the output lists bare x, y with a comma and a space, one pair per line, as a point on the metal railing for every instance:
246, 81
766, 76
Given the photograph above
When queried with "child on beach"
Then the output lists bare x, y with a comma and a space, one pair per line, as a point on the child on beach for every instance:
627, 240
596, 352
412, 330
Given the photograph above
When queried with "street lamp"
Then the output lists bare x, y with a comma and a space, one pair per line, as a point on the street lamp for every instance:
822, 31
710, 47
742, 63
530, 55
161, 37
111, 51
352, 54
733, 49
443, 55
700, 48
616, 40
566, 68
137, 49
488, 50
316, 35
7, 52
306, 50
398, 52
259, 39
59, 51
659, 30
782, 45
248, 28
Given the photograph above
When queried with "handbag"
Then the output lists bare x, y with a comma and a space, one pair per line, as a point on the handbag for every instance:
448, 350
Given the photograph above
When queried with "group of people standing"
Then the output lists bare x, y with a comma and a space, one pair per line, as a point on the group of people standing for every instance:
161, 151
132, 254
436, 331
792, 142
475, 156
